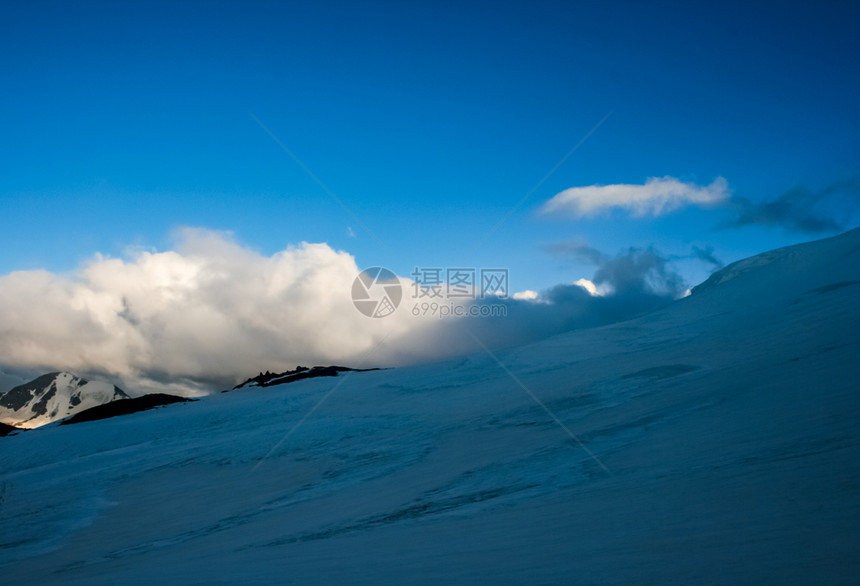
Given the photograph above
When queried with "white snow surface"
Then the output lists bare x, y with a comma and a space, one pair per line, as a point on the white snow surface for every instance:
726, 422
62, 396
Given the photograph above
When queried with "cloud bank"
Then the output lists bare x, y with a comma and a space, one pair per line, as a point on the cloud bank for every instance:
624, 286
658, 196
212, 312
202, 315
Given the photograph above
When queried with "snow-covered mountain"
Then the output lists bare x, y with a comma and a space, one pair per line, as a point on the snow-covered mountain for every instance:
53, 396
712, 441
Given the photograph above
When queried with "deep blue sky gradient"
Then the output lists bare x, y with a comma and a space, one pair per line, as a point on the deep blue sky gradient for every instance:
122, 121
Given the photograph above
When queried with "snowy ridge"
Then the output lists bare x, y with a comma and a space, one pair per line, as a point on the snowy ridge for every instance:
722, 447
53, 396
790, 260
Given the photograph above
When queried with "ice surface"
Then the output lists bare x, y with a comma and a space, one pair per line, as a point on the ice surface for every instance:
728, 422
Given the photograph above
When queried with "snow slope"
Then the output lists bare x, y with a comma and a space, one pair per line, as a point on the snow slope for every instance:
53, 396
713, 441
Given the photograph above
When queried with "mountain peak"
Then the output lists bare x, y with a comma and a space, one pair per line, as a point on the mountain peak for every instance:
53, 396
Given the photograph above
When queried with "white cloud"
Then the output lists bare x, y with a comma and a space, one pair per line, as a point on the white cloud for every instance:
656, 197
589, 286
201, 315
527, 295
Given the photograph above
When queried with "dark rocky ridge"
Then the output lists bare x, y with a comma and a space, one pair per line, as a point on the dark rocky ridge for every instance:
300, 372
125, 407
7, 429
19, 396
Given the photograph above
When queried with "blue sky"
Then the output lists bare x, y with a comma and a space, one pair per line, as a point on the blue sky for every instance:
123, 122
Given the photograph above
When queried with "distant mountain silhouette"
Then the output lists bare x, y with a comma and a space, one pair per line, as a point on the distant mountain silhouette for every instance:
125, 407
7, 429
269, 379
